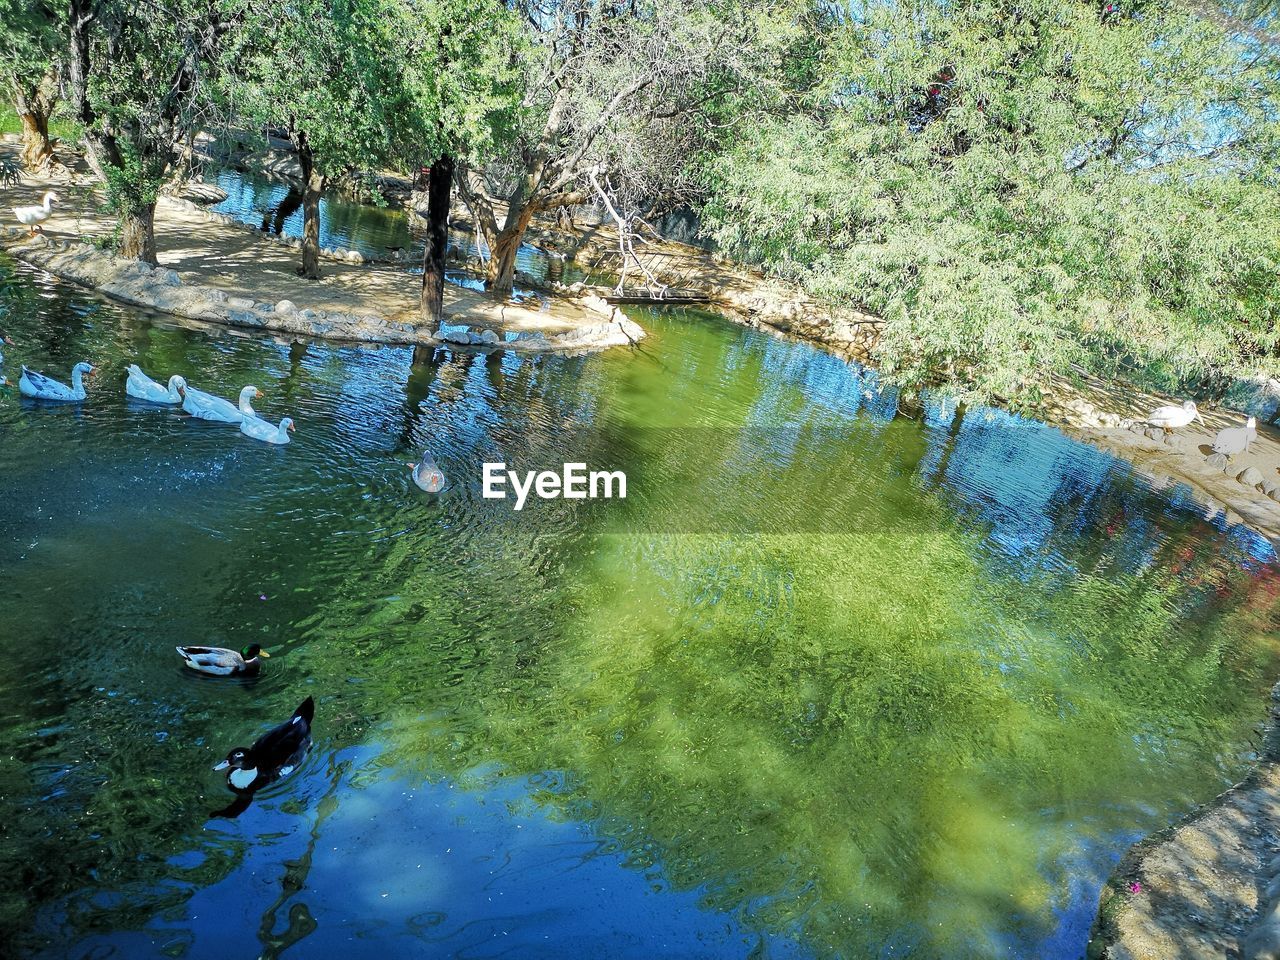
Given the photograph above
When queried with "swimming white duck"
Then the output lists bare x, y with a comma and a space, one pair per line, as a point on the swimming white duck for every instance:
259, 429
34, 216
32, 384
427, 475
205, 406
1170, 418
142, 387
6, 342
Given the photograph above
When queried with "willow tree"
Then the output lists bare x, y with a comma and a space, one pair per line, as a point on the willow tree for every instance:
139, 81
599, 71
1026, 190
32, 51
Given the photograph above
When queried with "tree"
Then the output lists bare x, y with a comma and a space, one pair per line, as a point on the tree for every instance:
31, 57
139, 82
462, 74
1022, 191
600, 76
324, 71
434, 254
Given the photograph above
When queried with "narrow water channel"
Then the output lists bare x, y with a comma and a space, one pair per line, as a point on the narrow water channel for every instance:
376, 232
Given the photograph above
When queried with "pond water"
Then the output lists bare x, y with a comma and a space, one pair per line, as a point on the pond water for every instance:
828, 683
374, 231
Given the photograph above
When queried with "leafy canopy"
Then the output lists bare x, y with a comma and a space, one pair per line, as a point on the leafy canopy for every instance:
1026, 189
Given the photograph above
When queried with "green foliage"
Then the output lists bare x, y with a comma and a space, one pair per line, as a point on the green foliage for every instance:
31, 39
462, 75
375, 82
134, 183
1021, 192
320, 69
146, 86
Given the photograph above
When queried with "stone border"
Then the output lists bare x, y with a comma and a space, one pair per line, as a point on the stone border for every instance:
139, 284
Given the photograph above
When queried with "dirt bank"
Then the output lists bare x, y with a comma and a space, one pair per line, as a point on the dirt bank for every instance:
1208, 887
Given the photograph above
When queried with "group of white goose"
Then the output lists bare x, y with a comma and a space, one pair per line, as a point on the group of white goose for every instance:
1228, 442
203, 406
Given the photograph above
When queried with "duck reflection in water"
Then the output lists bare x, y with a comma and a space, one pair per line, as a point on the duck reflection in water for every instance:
274, 755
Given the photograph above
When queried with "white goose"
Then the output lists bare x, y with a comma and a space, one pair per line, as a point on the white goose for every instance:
1235, 440
142, 387
1170, 418
205, 406
32, 384
34, 216
259, 429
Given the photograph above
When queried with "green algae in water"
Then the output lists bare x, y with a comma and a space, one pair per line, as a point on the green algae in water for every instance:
842, 682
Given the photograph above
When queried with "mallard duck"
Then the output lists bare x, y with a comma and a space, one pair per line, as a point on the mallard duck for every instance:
259, 429
205, 406
32, 217
273, 755
221, 662
1170, 418
1235, 440
427, 475
32, 384
142, 387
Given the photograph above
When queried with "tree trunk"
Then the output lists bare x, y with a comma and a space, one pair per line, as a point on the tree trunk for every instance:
439, 196
36, 148
138, 234
313, 187
34, 103
500, 276
310, 268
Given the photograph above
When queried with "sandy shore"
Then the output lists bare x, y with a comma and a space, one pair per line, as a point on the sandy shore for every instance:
1092, 411
217, 261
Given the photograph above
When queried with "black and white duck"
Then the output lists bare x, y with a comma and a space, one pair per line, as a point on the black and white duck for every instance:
221, 662
273, 755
